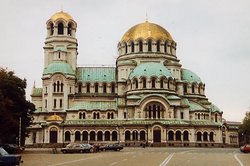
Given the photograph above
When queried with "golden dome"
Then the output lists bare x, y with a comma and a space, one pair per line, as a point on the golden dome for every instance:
54, 118
61, 15
146, 31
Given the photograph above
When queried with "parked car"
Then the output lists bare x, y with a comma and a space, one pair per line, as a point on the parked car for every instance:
9, 159
245, 148
77, 148
12, 148
115, 147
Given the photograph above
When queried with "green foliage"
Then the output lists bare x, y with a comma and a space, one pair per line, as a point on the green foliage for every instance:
13, 105
245, 127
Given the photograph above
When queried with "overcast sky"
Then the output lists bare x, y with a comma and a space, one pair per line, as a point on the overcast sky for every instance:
212, 39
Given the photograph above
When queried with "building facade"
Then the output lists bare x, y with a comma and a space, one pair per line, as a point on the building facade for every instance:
147, 97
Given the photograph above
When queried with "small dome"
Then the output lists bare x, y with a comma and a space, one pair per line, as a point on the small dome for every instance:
54, 118
59, 67
150, 69
146, 31
61, 15
189, 76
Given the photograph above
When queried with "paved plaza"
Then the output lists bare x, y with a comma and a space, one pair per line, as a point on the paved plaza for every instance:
140, 157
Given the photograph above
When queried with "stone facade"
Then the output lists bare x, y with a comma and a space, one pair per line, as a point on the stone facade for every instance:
147, 97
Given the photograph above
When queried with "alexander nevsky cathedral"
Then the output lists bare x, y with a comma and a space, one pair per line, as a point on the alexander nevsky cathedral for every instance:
147, 97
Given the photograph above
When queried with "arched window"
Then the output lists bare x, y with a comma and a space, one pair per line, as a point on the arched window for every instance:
140, 46
96, 87
216, 118
60, 29
97, 115
142, 135
51, 29
211, 136
111, 115
193, 88
114, 136
150, 45
162, 83
135, 135
185, 136
54, 85
127, 136
85, 136
158, 44
92, 136
112, 87
80, 88
144, 82
126, 48
165, 47
178, 136
99, 136
70, 29
153, 82
77, 136
107, 136
170, 135
67, 136
205, 138
80, 115
136, 84
132, 47
94, 115
88, 87
199, 116
61, 87
198, 136
57, 86
104, 87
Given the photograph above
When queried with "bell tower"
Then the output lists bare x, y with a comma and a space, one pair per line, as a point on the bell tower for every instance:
61, 42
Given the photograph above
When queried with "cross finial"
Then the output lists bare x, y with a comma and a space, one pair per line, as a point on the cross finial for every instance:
146, 16
61, 8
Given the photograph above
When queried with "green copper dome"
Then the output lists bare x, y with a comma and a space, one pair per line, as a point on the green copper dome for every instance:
189, 76
59, 67
150, 69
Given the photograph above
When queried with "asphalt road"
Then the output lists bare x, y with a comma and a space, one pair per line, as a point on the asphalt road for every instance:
140, 157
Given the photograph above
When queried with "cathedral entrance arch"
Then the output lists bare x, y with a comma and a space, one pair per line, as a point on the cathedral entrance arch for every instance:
53, 135
157, 134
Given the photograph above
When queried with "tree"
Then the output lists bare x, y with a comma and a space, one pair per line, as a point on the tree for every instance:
245, 128
13, 105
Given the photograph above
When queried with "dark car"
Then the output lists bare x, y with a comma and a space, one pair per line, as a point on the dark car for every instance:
77, 148
11, 148
245, 148
115, 147
9, 159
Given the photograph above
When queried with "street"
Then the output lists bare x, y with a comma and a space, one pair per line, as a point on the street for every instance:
141, 157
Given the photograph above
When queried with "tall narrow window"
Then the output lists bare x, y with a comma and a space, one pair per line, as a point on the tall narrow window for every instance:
153, 82
185, 88
57, 86
46, 103
192, 88
150, 45
158, 44
88, 87
96, 87
59, 54
104, 87
140, 46
54, 103
69, 29
126, 48
61, 87
182, 115
136, 84
83, 115
112, 87
80, 88
216, 118
144, 83
61, 103
165, 47
54, 85
60, 29
132, 47
97, 115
